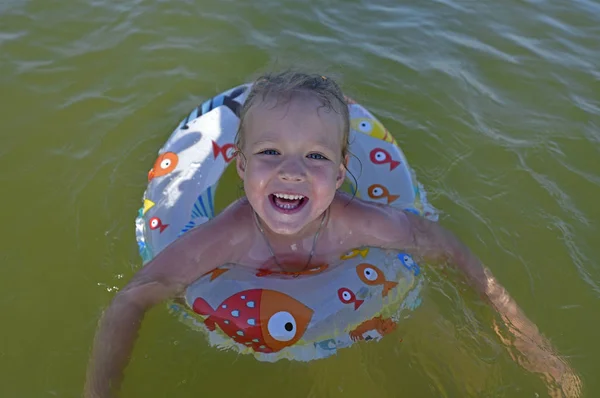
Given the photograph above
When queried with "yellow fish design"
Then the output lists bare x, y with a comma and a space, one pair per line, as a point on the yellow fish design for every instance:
372, 127
355, 252
148, 204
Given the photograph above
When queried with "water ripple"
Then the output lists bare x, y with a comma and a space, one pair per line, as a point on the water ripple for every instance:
474, 43
493, 102
579, 258
561, 197
586, 104
563, 26
536, 46
311, 38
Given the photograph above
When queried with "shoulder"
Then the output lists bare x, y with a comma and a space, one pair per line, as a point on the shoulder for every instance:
233, 224
237, 215
218, 241
370, 224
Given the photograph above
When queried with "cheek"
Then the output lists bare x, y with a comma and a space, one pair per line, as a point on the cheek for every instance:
325, 175
258, 173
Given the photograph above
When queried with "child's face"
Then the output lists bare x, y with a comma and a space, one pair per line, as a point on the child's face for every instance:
293, 162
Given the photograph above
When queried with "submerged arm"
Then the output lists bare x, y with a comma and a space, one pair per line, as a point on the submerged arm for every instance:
116, 336
168, 274
431, 241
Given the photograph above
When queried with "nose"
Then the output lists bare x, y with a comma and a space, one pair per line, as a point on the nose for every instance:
292, 170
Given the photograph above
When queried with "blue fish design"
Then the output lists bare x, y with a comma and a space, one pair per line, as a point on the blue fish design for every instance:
409, 263
202, 210
141, 246
413, 211
190, 225
204, 207
326, 345
226, 99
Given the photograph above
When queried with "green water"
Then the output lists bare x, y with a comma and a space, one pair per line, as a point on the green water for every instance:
496, 105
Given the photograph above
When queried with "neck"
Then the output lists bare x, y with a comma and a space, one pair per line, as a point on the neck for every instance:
296, 242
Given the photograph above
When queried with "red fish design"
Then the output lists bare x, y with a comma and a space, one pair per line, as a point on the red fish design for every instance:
265, 320
156, 223
163, 165
311, 271
227, 150
347, 296
378, 191
373, 276
381, 156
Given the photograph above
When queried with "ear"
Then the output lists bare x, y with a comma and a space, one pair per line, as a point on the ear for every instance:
240, 164
341, 176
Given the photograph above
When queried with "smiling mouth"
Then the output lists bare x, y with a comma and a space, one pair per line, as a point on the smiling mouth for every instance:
288, 203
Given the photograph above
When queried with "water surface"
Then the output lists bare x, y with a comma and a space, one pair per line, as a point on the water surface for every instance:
496, 105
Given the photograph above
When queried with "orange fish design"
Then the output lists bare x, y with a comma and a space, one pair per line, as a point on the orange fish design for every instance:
215, 273
311, 271
378, 191
355, 252
227, 151
163, 165
373, 276
262, 319
382, 326
381, 156
156, 223
347, 296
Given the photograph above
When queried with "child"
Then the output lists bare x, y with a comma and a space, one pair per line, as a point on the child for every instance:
292, 154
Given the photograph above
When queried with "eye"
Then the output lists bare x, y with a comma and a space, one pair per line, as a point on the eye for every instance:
154, 223
269, 152
370, 274
165, 164
282, 326
365, 126
345, 295
377, 192
317, 156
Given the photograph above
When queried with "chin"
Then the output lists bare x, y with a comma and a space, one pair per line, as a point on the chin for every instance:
285, 224
291, 226
282, 229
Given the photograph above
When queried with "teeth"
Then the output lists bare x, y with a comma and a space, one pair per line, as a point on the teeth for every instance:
288, 197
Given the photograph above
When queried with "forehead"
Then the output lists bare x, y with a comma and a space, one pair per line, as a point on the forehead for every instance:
302, 116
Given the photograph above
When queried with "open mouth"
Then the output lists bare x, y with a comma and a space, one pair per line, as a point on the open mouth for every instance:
288, 203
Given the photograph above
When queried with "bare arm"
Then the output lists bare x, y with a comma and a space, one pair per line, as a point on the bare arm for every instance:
115, 339
428, 240
167, 275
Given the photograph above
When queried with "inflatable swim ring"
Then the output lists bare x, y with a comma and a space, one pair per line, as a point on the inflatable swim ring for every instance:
273, 315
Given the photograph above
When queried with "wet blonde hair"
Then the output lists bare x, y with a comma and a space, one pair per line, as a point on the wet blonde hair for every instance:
283, 86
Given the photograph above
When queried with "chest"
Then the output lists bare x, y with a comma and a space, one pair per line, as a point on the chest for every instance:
295, 257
